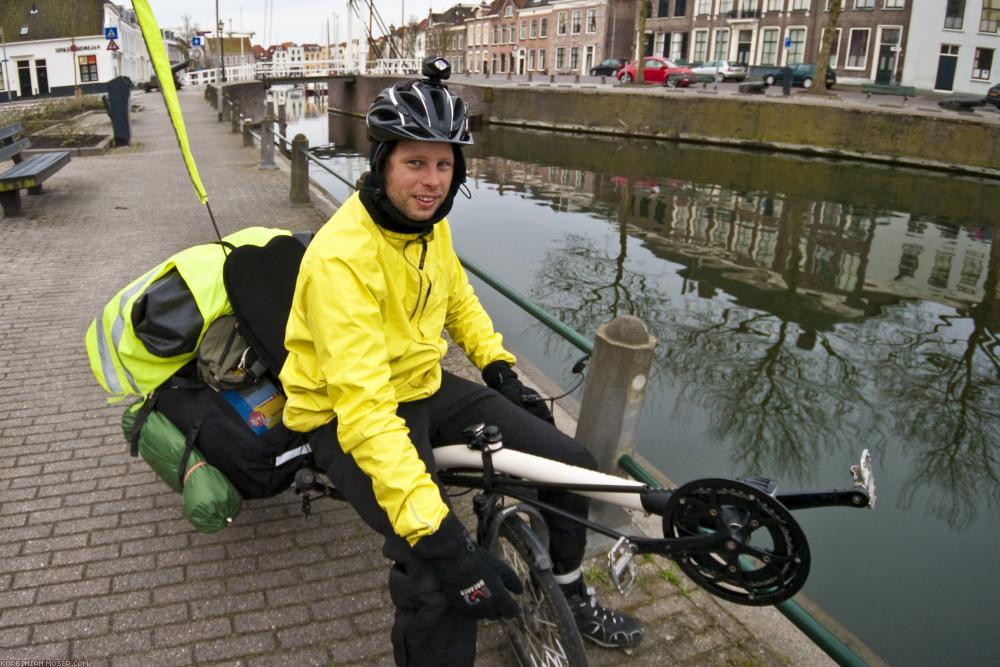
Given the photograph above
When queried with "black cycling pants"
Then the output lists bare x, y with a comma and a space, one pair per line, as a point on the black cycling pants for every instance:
427, 631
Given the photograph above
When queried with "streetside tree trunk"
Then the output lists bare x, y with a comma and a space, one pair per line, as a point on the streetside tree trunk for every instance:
823, 58
640, 43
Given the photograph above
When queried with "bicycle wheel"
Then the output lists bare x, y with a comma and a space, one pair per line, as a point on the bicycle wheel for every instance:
544, 633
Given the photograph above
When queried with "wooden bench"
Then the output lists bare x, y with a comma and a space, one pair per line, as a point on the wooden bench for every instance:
905, 92
28, 172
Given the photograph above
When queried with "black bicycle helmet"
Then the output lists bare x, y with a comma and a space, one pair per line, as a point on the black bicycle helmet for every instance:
420, 110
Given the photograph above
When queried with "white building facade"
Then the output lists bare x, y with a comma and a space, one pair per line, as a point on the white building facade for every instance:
953, 46
57, 65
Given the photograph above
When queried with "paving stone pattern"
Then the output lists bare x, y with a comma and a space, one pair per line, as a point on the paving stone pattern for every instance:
96, 560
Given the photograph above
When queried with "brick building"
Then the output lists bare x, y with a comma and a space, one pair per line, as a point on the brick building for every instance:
868, 46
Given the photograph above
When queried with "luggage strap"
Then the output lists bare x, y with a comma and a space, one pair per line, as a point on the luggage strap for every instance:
140, 421
192, 437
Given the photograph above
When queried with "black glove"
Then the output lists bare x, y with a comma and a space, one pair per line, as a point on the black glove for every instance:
501, 377
475, 581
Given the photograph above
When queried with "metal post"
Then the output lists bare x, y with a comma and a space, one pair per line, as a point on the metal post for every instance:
613, 398
282, 128
299, 193
247, 135
235, 118
267, 143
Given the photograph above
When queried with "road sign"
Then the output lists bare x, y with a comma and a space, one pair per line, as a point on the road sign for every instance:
73, 47
111, 32
112, 45
196, 41
196, 54
788, 42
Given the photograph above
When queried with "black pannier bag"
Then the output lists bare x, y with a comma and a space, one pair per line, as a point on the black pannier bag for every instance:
259, 458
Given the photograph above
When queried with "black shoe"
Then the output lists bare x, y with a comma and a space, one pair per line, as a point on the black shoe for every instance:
601, 625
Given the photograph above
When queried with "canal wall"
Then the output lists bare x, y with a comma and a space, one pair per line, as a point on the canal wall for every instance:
798, 124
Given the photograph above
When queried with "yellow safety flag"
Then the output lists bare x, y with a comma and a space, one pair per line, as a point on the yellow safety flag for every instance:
161, 64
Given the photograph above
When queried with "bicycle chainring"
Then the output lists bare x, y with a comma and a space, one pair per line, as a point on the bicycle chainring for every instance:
763, 558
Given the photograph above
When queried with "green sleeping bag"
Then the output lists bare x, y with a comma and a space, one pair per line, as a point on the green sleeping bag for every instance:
210, 501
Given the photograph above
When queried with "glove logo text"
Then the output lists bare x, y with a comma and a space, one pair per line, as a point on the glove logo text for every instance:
476, 592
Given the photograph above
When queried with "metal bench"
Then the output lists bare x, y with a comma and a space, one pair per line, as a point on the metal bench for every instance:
905, 92
28, 172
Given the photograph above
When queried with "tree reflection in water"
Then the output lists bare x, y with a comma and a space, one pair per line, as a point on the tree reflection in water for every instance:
785, 381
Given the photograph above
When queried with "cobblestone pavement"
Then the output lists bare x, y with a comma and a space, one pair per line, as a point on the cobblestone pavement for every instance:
97, 562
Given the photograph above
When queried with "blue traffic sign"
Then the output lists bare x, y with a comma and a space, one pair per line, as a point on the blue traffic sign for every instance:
111, 32
196, 41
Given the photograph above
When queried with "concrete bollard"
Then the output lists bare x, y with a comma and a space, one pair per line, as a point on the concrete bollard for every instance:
235, 118
576, 78
219, 103
529, 77
613, 398
508, 75
267, 143
299, 193
552, 78
247, 133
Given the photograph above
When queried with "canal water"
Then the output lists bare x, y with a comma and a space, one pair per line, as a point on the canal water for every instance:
805, 309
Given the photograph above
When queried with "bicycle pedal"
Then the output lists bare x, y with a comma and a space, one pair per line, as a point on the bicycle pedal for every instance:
621, 566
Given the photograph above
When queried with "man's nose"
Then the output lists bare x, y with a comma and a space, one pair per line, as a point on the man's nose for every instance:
431, 176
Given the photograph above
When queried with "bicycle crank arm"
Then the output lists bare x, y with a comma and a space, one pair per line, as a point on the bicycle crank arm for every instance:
862, 495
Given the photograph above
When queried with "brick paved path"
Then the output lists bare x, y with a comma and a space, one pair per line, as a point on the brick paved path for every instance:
96, 559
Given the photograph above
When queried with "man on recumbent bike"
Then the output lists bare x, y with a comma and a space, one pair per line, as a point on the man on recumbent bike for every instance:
376, 288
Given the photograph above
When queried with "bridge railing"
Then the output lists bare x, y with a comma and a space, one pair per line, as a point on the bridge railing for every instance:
282, 70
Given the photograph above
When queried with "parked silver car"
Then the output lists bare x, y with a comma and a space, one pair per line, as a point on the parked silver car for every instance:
721, 70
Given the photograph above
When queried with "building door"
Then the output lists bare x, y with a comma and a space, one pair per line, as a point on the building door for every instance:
588, 58
743, 47
520, 62
947, 62
24, 77
885, 67
42, 77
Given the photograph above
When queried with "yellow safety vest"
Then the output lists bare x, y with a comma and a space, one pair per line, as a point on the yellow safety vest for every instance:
120, 359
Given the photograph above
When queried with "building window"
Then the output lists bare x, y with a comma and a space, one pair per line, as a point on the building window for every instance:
864, 4
725, 7
721, 45
561, 29
541, 58
700, 46
894, 4
704, 7
544, 29
982, 65
775, 5
574, 58
496, 35
88, 68
591, 20
663, 8
576, 22
524, 30
802, 5
769, 48
531, 59
508, 12
954, 14
797, 50
534, 28
991, 16
680, 7
503, 34
857, 49
560, 58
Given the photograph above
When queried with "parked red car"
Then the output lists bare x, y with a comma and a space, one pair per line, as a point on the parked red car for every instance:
658, 70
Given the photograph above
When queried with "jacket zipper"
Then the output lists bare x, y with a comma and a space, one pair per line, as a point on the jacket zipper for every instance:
420, 272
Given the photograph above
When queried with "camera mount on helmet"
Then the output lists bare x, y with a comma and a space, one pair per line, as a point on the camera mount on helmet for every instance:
435, 69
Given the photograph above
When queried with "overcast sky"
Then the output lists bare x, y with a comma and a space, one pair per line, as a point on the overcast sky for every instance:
299, 21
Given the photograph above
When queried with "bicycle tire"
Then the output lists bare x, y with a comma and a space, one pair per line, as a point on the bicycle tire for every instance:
544, 633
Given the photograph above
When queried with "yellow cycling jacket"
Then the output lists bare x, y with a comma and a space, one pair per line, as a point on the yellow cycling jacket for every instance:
364, 334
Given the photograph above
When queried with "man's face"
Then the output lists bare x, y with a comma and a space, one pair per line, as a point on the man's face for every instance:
418, 176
